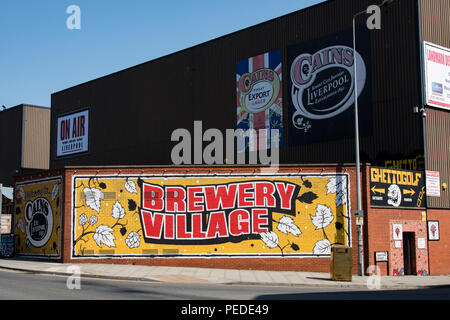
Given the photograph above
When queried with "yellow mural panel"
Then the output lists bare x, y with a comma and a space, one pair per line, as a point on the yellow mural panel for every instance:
38, 217
130, 216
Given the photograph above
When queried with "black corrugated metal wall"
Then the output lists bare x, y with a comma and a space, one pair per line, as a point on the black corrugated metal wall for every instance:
134, 112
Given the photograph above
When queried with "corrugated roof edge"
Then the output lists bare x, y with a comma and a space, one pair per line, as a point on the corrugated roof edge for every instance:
325, 2
25, 105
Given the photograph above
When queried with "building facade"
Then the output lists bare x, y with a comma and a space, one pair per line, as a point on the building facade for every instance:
25, 132
292, 74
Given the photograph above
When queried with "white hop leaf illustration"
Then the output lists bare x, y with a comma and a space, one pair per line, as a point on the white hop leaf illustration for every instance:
323, 217
93, 220
130, 186
118, 212
103, 235
82, 219
270, 239
133, 240
22, 193
322, 247
55, 191
338, 185
286, 225
93, 198
20, 226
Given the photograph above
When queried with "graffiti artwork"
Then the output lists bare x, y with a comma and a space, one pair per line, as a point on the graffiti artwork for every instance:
38, 217
129, 216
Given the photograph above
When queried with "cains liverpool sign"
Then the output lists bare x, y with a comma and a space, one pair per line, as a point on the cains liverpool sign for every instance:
321, 85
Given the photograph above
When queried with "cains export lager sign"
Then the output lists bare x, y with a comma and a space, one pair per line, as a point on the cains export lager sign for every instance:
209, 215
258, 90
321, 85
259, 96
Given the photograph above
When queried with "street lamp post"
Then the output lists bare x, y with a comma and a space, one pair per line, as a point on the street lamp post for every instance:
359, 214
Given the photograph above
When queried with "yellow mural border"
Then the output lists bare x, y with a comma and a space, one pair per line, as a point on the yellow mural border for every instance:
108, 246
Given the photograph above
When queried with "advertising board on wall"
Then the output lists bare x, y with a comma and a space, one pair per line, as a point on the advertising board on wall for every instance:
38, 217
397, 188
321, 86
209, 215
433, 183
437, 75
259, 97
72, 136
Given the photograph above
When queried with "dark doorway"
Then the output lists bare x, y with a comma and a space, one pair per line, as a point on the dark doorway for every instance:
409, 253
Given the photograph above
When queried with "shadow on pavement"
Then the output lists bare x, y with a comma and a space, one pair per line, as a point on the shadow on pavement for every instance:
429, 293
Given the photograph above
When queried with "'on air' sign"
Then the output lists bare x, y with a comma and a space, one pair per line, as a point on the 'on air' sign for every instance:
73, 133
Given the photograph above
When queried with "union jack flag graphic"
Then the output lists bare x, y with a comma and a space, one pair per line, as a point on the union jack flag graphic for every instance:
259, 98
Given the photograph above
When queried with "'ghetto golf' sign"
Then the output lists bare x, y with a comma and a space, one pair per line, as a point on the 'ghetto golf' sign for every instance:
397, 188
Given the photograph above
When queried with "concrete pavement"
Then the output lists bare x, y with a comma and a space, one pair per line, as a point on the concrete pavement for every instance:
218, 276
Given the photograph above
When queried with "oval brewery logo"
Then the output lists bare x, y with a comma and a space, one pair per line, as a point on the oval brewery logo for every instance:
39, 218
322, 83
258, 90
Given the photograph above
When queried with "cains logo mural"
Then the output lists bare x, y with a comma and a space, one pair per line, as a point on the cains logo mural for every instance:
38, 218
321, 85
259, 96
39, 221
209, 215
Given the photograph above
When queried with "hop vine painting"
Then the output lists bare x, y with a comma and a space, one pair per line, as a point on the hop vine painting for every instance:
301, 215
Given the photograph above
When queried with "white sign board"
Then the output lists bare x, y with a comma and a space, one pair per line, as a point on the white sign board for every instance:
421, 243
72, 134
437, 75
397, 232
381, 256
433, 230
433, 184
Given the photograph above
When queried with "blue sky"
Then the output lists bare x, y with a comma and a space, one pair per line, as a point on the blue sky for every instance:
40, 55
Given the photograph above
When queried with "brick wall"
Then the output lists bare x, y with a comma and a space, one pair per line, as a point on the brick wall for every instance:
439, 251
434, 259
381, 238
317, 264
